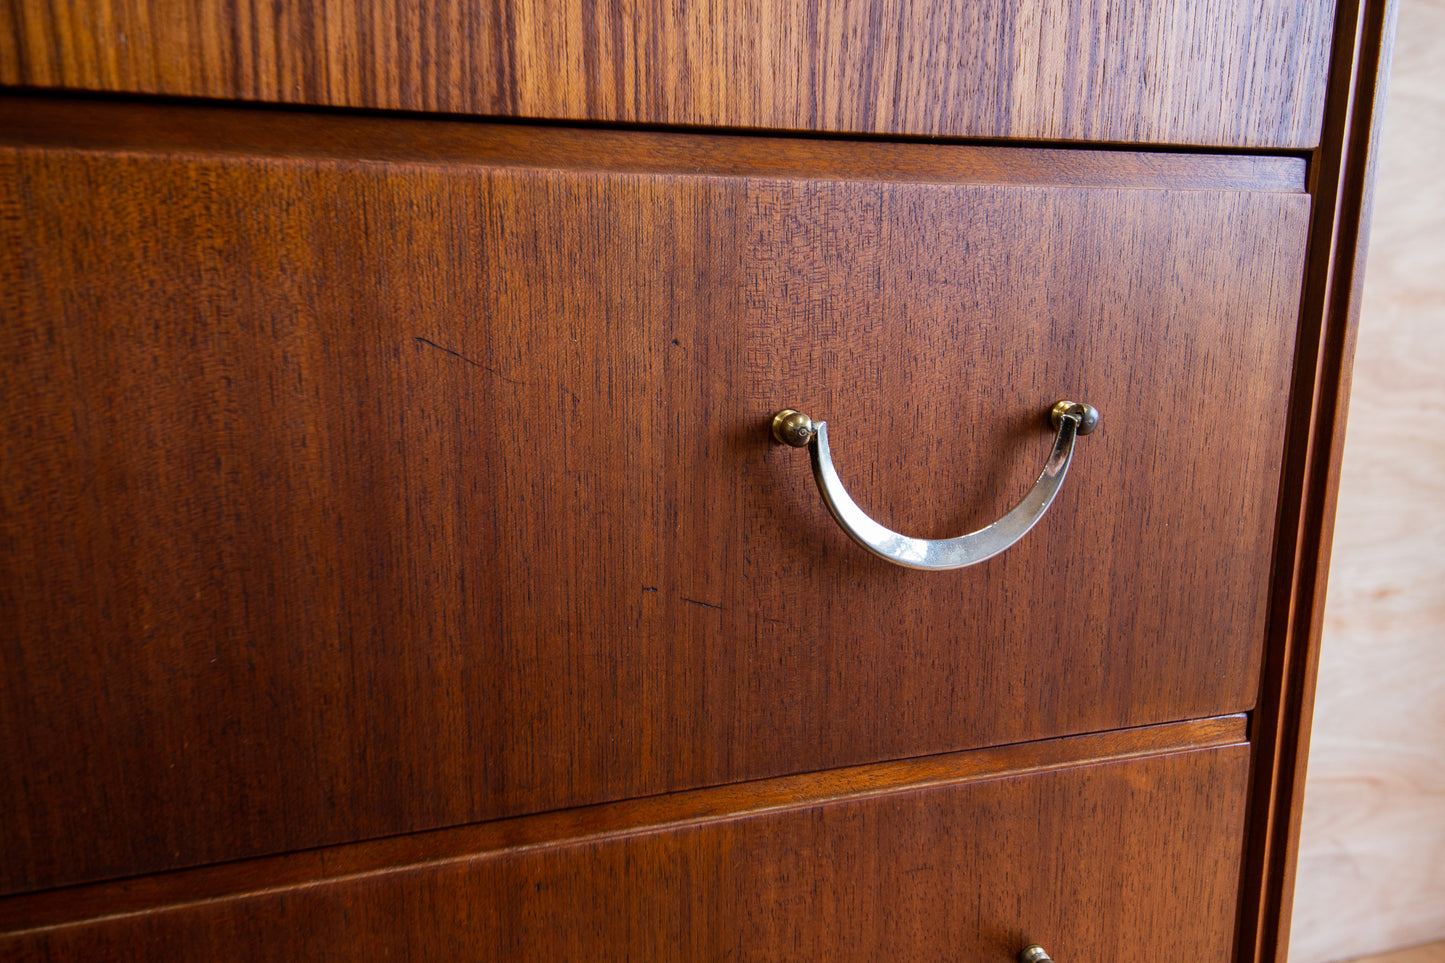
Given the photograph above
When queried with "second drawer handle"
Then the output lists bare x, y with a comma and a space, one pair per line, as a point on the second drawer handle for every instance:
1070, 418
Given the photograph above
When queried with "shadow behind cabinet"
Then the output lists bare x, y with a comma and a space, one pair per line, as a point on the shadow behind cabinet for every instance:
397, 559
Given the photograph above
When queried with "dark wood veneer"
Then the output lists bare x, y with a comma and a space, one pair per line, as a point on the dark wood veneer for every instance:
397, 855
1096, 846
275, 134
1342, 183
346, 498
1211, 72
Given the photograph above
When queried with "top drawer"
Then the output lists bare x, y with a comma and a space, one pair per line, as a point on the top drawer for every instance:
1207, 72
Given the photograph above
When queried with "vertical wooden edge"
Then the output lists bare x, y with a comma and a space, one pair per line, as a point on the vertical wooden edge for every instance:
1342, 180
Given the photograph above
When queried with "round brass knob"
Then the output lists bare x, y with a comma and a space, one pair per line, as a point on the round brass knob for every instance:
793, 428
1034, 954
1088, 415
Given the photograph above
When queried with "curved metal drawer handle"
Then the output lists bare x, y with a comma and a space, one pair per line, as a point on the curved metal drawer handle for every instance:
1070, 418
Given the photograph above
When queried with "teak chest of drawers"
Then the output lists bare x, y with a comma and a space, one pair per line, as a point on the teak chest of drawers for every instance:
398, 560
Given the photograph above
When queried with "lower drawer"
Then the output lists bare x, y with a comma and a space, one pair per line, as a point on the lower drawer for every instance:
1101, 848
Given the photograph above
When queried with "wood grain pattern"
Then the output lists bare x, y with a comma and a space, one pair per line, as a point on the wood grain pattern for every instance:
1214, 72
1372, 844
344, 499
1342, 182
395, 854
968, 869
272, 134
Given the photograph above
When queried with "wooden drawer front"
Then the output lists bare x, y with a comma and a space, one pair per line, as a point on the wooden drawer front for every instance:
1218, 72
347, 497
1122, 859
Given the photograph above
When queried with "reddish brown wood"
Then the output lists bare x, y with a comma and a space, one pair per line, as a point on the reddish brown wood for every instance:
63, 907
344, 498
272, 134
968, 859
1215, 72
1343, 181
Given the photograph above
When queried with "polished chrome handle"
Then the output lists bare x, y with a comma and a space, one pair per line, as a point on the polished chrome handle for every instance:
1034, 954
1070, 418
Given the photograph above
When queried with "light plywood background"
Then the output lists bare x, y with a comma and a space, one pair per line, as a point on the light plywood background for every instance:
1434, 953
1372, 849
